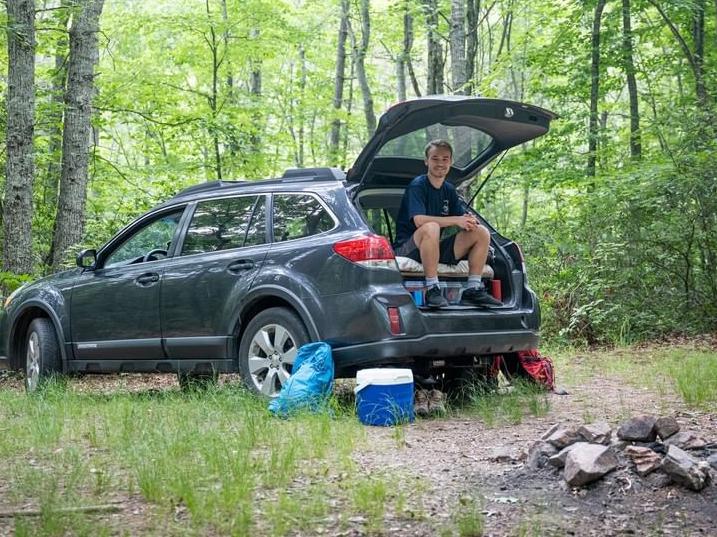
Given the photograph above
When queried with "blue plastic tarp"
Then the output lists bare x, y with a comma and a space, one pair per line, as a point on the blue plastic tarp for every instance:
310, 383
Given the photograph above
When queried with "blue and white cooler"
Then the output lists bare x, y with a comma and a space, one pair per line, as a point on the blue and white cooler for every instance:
384, 396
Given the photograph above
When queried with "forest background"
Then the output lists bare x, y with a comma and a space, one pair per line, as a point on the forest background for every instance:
112, 106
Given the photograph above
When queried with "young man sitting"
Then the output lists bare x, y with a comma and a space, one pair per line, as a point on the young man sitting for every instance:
429, 204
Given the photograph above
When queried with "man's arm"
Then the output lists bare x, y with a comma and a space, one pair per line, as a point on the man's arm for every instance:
465, 221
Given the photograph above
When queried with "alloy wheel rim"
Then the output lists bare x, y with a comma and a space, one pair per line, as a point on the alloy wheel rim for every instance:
271, 354
32, 362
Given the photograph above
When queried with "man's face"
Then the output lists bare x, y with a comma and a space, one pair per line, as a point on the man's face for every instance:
439, 162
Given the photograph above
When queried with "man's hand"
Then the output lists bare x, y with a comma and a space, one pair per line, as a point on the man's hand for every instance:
468, 222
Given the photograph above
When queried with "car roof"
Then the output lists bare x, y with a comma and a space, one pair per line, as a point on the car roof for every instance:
290, 179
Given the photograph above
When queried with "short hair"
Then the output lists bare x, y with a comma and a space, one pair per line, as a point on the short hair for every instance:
442, 144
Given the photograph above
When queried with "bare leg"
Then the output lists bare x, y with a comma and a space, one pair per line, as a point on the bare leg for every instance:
426, 238
474, 243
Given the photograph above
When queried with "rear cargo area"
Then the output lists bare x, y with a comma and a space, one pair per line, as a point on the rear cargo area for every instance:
379, 207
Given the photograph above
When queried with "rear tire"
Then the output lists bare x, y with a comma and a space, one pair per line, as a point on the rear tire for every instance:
268, 350
42, 354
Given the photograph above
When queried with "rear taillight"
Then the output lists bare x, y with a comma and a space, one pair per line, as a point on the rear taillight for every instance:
368, 250
394, 320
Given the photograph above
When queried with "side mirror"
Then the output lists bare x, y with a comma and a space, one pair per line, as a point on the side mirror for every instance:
86, 259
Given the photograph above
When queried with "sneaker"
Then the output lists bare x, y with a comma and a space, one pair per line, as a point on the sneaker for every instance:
434, 298
479, 297
436, 402
420, 404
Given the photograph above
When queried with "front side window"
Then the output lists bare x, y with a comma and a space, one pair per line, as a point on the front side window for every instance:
151, 242
299, 215
223, 224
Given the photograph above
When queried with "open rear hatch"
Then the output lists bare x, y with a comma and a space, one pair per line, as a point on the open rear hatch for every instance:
478, 129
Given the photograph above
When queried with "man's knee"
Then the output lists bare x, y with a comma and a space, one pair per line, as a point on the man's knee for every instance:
479, 235
483, 234
429, 230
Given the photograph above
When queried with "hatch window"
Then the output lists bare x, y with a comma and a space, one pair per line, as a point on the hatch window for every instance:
468, 143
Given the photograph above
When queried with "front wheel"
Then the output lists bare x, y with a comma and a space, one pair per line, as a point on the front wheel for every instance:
42, 353
268, 350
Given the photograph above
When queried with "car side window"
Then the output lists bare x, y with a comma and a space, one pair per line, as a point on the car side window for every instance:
256, 234
299, 215
220, 224
149, 243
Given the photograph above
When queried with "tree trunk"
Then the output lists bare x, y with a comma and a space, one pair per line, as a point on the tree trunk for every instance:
434, 83
407, 47
472, 11
339, 81
84, 55
349, 111
302, 100
696, 64
458, 46
360, 51
59, 76
17, 210
627, 52
255, 90
594, 89
698, 37
405, 57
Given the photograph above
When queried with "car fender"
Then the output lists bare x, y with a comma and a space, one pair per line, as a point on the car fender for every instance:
51, 313
303, 307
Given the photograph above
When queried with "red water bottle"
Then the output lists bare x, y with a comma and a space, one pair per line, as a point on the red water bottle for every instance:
495, 290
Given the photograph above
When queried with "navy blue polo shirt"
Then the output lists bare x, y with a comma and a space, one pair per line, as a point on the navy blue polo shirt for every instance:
422, 198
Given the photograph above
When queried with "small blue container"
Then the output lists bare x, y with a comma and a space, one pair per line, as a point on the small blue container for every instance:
384, 396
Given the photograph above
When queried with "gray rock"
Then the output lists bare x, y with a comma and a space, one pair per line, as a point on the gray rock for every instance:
686, 440
597, 433
588, 462
559, 460
685, 470
712, 460
550, 431
562, 438
666, 426
645, 459
638, 429
538, 454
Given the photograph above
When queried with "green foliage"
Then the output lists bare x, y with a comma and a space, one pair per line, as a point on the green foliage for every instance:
620, 257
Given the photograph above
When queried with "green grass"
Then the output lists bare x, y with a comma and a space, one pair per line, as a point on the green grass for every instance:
211, 455
689, 372
509, 405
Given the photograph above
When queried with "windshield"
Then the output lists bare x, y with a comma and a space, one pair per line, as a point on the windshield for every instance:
467, 143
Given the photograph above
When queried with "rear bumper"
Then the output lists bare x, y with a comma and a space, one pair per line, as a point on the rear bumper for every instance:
443, 346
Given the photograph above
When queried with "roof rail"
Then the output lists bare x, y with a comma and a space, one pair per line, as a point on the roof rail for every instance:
204, 187
313, 174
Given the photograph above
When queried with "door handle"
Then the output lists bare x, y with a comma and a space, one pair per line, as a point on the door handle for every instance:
235, 267
147, 279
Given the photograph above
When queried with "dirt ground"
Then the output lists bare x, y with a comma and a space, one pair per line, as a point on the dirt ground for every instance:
451, 464
463, 461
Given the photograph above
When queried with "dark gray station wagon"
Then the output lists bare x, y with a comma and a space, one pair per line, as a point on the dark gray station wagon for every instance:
235, 276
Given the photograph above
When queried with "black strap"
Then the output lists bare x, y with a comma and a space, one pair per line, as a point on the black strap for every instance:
388, 225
